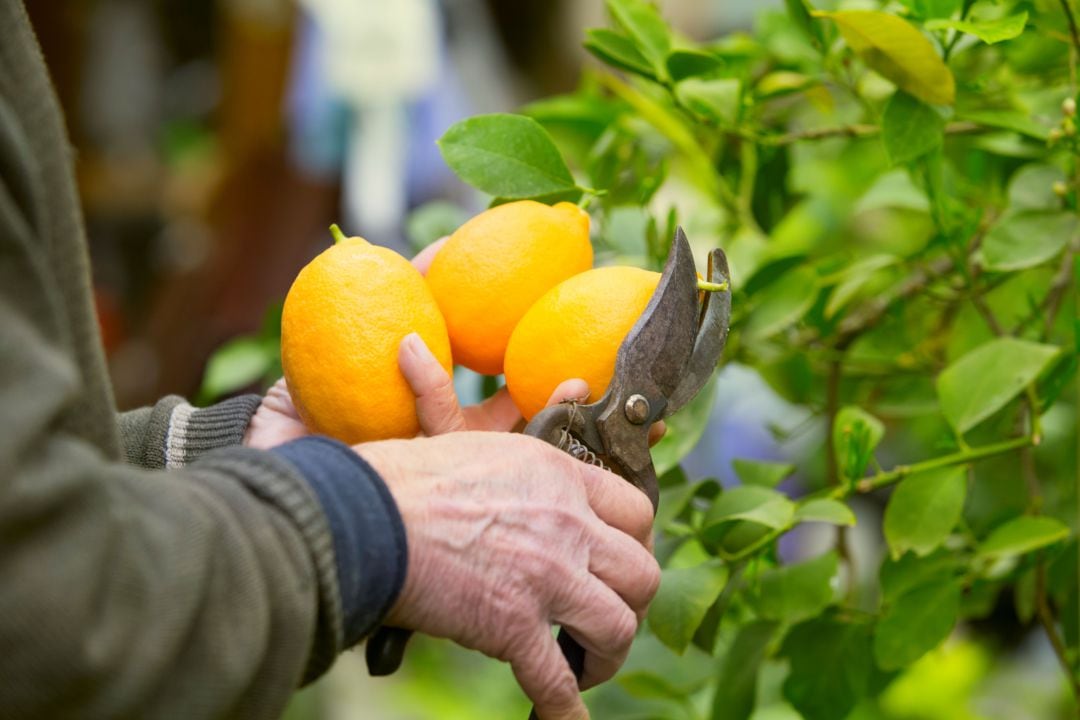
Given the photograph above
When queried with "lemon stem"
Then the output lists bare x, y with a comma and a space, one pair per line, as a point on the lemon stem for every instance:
711, 286
338, 236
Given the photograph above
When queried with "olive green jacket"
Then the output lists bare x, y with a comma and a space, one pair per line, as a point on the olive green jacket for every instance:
149, 566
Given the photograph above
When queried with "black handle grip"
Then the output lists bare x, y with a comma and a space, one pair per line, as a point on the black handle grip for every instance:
575, 657
385, 650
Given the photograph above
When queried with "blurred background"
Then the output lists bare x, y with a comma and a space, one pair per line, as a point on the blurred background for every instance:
217, 140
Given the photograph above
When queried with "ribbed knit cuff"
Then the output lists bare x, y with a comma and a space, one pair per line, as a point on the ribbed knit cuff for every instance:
369, 536
194, 431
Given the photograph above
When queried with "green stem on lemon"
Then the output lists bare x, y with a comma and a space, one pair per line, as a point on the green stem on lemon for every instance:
711, 286
338, 236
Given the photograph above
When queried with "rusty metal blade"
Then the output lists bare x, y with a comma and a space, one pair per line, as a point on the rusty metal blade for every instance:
711, 337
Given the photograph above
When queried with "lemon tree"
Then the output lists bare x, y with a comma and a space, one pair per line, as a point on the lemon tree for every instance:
896, 188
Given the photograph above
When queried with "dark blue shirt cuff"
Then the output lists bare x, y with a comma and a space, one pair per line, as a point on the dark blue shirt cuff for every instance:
369, 538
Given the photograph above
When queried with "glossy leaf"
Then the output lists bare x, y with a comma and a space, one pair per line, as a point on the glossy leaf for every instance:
619, 51
736, 687
832, 667
899, 52
675, 499
761, 472
792, 593
687, 63
910, 128
825, 510
508, 156
915, 623
236, 365
901, 575
923, 510
989, 31
1022, 535
855, 277
643, 24
684, 429
1027, 239
684, 597
1007, 120
755, 504
1032, 187
716, 100
784, 303
983, 381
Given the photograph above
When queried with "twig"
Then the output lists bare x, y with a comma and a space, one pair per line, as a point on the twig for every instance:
832, 466
1049, 626
898, 473
870, 314
860, 130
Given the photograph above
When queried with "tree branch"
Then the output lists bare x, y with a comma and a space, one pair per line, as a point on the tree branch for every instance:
860, 130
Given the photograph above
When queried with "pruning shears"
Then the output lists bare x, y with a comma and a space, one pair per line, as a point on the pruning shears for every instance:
664, 361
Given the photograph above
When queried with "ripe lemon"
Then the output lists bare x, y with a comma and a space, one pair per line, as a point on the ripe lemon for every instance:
574, 331
495, 266
343, 320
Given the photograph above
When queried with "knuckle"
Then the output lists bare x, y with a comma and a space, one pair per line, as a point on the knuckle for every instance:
624, 628
650, 581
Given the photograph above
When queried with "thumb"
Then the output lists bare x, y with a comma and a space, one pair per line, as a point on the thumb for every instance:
437, 405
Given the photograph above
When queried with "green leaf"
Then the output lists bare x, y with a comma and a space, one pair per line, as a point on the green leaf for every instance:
236, 365
509, 156
989, 31
760, 505
674, 500
825, 510
1026, 239
899, 52
832, 667
983, 381
923, 510
686, 63
680, 604
854, 277
1032, 187
653, 670
910, 128
799, 12
1007, 120
855, 435
792, 593
736, 686
901, 575
433, 220
917, 622
761, 472
1022, 535
684, 429
715, 100
619, 51
933, 8
783, 303
641, 21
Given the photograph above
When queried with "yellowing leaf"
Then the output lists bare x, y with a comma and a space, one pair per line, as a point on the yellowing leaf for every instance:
894, 48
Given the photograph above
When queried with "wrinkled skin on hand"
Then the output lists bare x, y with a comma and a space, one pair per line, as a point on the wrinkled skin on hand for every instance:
508, 535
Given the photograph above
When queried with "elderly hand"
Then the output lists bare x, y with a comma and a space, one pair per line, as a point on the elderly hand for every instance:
508, 535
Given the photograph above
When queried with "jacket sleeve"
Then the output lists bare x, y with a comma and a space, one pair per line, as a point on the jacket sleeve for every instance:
208, 591
171, 433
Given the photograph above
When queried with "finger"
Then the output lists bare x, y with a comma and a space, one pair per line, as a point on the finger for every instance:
657, 432
543, 674
574, 389
423, 259
280, 401
437, 406
602, 623
625, 566
617, 502
497, 413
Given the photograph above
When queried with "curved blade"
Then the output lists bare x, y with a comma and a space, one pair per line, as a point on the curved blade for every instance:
660, 344
711, 337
